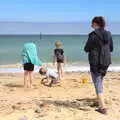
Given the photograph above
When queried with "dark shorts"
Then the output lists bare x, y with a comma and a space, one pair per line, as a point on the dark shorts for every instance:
60, 61
28, 67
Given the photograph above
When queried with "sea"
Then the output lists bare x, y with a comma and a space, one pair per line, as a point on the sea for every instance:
11, 47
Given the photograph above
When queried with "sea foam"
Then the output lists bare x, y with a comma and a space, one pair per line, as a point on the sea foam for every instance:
67, 68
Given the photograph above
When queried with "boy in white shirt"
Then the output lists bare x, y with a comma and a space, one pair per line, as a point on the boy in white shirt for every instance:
51, 76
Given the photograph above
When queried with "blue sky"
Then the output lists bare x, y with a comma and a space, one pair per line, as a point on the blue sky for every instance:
68, 16
58, 10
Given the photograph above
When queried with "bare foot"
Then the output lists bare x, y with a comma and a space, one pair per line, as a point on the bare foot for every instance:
48, 84
32, 87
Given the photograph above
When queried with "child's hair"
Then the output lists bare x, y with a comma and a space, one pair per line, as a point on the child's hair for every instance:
42, 71
58, 44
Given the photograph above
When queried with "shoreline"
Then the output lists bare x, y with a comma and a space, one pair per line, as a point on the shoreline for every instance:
17, 68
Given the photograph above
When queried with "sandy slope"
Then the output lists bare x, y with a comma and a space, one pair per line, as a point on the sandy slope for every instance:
70, 100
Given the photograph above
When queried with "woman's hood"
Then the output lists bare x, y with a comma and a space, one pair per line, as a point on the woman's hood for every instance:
103, 35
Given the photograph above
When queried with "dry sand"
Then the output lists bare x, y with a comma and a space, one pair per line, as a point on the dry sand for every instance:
70, 100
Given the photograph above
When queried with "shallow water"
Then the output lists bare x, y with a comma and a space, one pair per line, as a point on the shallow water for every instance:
11, 47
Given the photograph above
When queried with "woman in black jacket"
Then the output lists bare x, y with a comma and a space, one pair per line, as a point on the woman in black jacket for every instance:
99, 47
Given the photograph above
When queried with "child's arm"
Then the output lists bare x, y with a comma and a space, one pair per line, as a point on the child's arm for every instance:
42, 81
65, 60
54, 60
48, 80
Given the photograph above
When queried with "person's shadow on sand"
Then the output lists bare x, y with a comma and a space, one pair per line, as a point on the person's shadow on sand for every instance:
80, 104
10, 85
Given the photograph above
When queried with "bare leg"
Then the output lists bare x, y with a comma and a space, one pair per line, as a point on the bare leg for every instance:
59, 70
31, 78
101, 100
102, 109
25, 78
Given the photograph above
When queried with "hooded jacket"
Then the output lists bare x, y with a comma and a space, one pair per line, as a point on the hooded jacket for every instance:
29, 54
99, 47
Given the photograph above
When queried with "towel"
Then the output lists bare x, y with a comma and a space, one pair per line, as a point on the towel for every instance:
29, 54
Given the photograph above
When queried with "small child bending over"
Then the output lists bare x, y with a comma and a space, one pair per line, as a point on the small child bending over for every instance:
51, 77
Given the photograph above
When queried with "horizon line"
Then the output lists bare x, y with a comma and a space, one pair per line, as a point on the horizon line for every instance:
31, 21
45, 34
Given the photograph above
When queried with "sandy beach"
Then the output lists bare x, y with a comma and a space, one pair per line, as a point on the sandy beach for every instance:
70, 100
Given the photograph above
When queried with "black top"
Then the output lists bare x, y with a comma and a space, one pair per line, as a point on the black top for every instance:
58, 50
99, 45
59, 53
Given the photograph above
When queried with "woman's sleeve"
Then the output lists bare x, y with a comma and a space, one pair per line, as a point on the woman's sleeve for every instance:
111, 44
111, 41
89, 43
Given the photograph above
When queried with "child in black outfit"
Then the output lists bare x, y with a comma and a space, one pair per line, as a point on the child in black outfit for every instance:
59, 58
